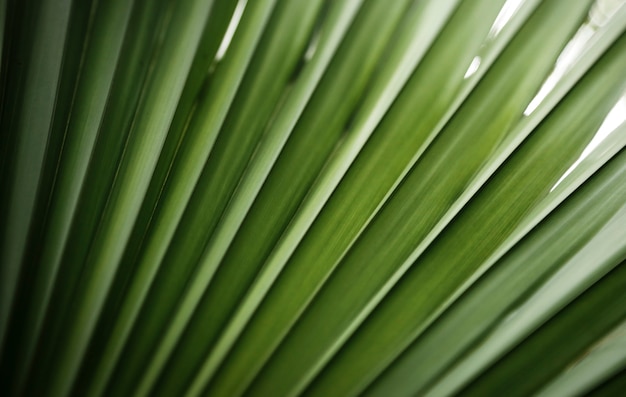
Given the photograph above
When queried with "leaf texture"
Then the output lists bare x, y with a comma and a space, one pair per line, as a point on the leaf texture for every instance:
312, 198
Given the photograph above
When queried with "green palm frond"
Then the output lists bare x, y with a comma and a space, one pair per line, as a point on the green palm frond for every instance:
313, 198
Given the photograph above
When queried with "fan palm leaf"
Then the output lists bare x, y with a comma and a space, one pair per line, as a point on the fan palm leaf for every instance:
319, 198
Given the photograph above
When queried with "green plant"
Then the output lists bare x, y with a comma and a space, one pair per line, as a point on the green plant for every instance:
313, 197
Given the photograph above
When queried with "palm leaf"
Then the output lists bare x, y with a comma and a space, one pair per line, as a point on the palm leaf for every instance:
333, 198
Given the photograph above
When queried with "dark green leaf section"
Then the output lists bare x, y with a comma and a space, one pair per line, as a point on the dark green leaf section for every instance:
612, 387
593, 314
80, 21
97, 65
135, 59
600, 362
132, 177
28, 117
